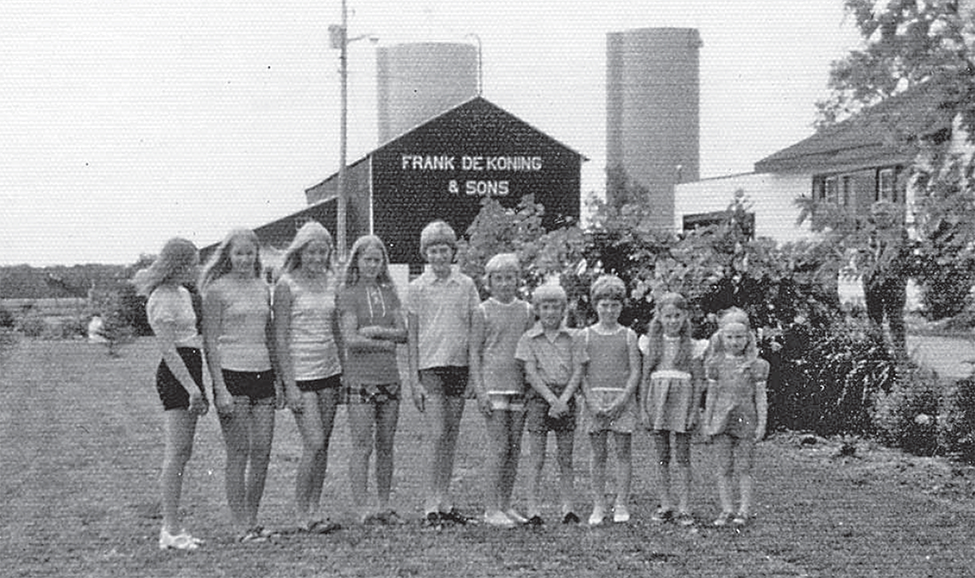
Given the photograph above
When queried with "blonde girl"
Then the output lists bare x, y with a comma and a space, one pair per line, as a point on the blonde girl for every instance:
670, 395
179, 377
306, 330
239, 348
373, 324
498, 381
736, 411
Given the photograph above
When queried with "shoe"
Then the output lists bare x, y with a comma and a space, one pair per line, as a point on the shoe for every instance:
661, 516
322, 527
536, 521
498, 519
685, 519
570, 518
514, 515
181, 541
621, 514
257, 535
391, 518
723, 520
739, 520
598, 516
433, 520
454, 516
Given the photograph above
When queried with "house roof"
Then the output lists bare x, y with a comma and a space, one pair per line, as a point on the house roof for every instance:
885, 133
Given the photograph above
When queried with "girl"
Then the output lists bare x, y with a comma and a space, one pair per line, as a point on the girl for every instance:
498, 382
179, 377
308, 358
671, 393
609, 382
736, 409
372, 325
239, 350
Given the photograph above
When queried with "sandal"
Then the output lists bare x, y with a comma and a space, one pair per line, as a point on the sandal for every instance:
661, 516
740, 520
254, 536
723, 520
685, 519
181, 541
322, 527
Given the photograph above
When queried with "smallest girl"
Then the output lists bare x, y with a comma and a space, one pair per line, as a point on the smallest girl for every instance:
736, 411
670, 397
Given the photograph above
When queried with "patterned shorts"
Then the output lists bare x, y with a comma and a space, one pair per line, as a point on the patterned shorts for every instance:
375, 394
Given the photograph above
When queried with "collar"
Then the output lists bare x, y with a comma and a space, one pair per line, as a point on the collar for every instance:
537, 330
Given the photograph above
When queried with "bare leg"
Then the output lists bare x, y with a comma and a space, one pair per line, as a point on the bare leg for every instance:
236, 437
497, 430
180, 428
515, 424
443, 418
661, 443
624, 467
361, 421
682, 451
261, 437
564, 441
724, 448
536, 463
387, 416
597, 470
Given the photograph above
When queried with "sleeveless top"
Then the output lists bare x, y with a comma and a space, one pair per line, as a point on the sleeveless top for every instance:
311, 343
245, 314
504, 324
372, 305
609, 357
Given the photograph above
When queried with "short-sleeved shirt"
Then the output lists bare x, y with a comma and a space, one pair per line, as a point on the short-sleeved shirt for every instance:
553, 356
372, 305
731, 395
245, 312
444, 309
504, 324
173, 306
311, 344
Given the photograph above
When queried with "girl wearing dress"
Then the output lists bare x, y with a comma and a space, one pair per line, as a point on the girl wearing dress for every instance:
239, 350
670, 397
372, 325
179, 377
736, 411
306, 327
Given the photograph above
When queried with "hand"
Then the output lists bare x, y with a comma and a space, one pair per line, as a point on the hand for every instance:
224, 402
484, 404
419, 397
294, 401
558, 409
280, 399
371, 332
198, 404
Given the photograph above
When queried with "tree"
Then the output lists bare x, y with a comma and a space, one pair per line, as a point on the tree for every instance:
912, 45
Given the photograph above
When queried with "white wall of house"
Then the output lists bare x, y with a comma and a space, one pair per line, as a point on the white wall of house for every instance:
770, 196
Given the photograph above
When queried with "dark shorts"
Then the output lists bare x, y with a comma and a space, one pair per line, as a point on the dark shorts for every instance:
171, 391
537, 419
256, 385
313, 385
373, 394
445, 381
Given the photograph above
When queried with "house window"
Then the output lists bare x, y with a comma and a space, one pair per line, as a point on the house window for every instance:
831, 190
887, 185
847, 196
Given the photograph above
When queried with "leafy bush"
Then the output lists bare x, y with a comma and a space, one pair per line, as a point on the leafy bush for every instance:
7, 319
956, 420
907, 416
33, 326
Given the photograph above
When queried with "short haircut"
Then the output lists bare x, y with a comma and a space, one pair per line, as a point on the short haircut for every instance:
608, 287
549, 292
437, 233
502, 262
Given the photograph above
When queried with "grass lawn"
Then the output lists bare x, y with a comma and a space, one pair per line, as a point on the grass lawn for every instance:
81, 447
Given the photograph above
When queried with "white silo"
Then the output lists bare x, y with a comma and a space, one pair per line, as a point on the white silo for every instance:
419, 81
653, 111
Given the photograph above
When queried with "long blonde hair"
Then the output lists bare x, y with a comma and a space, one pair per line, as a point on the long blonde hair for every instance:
219, 264
177, 256
309, 232
352, 274
655, 332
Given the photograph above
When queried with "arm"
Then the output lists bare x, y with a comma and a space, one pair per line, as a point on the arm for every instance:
212, 324
357, 339
475, 359
413, 350
166, 340
272, 349
536, 383
761, 403
282, 337
633, 380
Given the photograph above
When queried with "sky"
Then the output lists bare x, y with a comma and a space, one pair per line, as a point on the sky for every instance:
124, 123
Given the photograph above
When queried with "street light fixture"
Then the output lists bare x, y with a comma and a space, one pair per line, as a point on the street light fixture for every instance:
339, 39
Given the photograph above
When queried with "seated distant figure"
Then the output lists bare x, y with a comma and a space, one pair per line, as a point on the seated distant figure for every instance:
96, 330
885, 277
